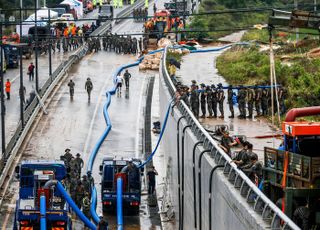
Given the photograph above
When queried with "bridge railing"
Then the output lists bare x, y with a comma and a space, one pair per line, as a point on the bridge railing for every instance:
258, 201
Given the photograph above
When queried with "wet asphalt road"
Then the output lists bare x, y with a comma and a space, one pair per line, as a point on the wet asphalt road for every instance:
202, 68
78, 124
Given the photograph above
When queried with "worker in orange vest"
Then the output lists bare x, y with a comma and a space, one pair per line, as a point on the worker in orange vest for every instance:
74, 31
66, 32
8, 88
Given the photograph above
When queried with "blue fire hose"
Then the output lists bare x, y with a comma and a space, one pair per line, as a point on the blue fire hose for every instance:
119, 204
96, 148
75, 208
164, 124
43, 220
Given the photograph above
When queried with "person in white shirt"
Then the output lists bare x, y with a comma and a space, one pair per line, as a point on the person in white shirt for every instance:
119, 82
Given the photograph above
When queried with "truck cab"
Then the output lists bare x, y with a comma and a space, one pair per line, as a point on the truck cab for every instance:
292, 172
110, 170
105, 13
33, 175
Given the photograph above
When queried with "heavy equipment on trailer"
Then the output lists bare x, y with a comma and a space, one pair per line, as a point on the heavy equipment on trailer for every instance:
113, 168
292, 172
33, 175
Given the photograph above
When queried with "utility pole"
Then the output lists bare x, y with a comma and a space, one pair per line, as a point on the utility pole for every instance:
3, 131
36, 45
297, 29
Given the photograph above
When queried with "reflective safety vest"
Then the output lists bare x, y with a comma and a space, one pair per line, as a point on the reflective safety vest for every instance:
8, 86
94, 2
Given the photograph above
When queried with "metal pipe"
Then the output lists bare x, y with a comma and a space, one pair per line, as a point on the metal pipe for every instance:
21, 91
119, 204
194, 182
199, 183
3, 112
178, 162
210, 193
301, 112
43, 221
182, 175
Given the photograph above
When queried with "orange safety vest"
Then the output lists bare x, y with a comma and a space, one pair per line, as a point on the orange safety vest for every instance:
66, 32
74, 31
8, 86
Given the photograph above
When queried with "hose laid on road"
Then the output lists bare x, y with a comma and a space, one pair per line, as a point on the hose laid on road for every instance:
119, 204
96, 148
73, 205
164, 124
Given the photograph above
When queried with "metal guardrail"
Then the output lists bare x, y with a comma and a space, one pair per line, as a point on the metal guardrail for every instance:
31, 111
258, 201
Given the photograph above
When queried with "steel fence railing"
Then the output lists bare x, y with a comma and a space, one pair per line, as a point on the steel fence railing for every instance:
258, 201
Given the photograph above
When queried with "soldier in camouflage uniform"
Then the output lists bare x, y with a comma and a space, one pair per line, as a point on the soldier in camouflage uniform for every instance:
257, 101
194, 100
214, 100
209, 100
242, 102
221, 98
265, 101
250, 100
230, 101
203, 103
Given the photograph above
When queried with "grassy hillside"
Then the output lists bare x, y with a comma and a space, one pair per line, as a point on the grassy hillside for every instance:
235, 20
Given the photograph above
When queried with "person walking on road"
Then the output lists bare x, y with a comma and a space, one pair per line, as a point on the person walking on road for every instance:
71, 89
119, 81
89, 87
8, 89
152, 180
31, 71
214, 100
127, 77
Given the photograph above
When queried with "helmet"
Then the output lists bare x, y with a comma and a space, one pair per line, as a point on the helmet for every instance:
67, 150
213, 86
78, 155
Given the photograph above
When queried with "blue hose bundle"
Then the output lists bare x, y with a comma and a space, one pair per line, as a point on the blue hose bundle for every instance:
109, 93
119, 204
96, 148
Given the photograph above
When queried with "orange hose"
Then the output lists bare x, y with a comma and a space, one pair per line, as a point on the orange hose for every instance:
284, 178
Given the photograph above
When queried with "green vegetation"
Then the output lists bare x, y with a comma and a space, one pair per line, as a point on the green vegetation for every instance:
248, 66
230, 22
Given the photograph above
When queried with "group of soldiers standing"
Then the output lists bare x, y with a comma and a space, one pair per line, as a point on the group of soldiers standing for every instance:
140, 14
118, 43
210, 98
79, 188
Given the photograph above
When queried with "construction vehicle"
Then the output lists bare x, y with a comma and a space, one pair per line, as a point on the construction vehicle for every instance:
127, 169
14, 40
159, 24
33, 175
292, 172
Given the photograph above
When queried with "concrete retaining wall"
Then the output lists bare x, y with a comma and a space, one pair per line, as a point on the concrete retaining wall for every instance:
229, 209
236, 202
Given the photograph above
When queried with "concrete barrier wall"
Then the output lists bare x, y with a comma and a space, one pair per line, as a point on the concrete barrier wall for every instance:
229, 209
236, 202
